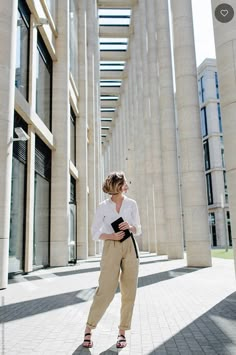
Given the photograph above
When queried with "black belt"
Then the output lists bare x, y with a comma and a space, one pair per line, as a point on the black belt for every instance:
135, 246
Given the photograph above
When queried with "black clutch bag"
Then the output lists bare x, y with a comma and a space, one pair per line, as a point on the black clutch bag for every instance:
115, 226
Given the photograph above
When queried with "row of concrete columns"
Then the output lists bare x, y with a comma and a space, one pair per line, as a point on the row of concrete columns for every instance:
152, 146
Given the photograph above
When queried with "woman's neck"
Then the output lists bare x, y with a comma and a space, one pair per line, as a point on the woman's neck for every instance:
117, 198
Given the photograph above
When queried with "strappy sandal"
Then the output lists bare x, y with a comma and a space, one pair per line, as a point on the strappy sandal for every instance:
87, 342
121, 341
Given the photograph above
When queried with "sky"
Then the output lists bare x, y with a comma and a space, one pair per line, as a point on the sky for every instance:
203, 30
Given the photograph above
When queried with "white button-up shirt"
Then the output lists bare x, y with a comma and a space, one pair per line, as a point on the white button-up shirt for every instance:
106, 214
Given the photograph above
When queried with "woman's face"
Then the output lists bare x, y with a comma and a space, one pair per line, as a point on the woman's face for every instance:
125, 187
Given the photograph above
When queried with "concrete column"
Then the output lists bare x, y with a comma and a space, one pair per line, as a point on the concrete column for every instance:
225, 42
29, 225
160, 242
82, 137
140, 129
147, 129
192, 167
168, 132
60, 182
92, 100
8, 27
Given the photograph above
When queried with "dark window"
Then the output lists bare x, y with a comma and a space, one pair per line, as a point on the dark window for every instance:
204, 122
72, 136
229, 228
212, 223
206, 155
42, 204
209, 189
223, 157
219, 117
225, 187
43, 83
217, 86
22, 49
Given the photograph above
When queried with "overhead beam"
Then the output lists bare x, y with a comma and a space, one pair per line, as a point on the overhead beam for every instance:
114, 31
110, 90
116, 4
113, 56
111, 74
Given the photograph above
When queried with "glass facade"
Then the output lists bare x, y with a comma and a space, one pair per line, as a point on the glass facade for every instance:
22, 49
18, 202
43, 83
42, 204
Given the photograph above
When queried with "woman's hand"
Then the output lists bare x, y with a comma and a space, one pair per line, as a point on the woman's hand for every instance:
118, 235
124, 225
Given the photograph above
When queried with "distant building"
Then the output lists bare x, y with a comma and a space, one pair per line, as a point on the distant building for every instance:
213, 149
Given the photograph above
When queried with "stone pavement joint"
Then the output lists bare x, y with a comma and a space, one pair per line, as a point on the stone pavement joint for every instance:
178, 310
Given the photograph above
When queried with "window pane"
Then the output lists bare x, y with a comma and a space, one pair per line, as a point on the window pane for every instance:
206, 155
43, 84
41, 221
22, 52
209, 189
16, 242
204, 122
72, 137
219, 117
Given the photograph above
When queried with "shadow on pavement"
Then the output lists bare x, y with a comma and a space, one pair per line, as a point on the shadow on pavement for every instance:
81, 351
212, 333
45, 304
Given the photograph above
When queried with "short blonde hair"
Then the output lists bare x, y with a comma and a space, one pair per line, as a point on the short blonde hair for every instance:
114, 183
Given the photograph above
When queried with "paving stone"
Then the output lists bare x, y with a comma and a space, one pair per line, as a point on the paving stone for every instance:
193, 312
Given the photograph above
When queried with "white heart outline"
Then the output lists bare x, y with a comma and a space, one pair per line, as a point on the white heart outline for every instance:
224, 12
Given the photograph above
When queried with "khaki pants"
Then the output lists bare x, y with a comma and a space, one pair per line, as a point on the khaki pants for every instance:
119, 263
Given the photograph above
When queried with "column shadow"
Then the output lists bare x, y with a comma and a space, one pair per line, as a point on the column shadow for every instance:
212, 333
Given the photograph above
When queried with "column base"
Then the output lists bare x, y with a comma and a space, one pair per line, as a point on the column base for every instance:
198, 253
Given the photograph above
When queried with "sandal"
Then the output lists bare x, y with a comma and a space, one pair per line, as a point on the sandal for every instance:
87, 342
121, 341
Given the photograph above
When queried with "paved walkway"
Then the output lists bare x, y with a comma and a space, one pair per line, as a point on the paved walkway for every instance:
178, 310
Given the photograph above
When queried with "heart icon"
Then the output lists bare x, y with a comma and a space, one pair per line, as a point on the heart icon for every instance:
224, 12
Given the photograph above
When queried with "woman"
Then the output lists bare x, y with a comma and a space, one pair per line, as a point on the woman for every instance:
119, 263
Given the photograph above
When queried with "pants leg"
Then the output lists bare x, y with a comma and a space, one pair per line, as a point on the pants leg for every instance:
128, 285
108, 282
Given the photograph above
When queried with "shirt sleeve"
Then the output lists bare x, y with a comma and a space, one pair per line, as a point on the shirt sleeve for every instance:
97, 225
136, 219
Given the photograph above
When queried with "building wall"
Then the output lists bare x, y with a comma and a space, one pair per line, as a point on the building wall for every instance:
51, 187
218, 208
